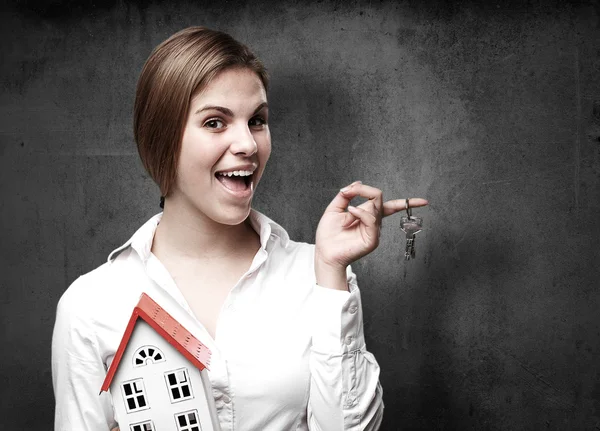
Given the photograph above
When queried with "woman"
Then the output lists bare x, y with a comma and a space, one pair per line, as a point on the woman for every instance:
201, 126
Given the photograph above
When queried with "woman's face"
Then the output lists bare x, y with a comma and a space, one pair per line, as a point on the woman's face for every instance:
225, 147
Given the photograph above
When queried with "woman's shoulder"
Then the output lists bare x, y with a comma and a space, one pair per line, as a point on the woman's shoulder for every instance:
272, 232
297, 250
96, 289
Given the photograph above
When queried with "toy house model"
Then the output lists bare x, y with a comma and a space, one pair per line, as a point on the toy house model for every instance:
158, 378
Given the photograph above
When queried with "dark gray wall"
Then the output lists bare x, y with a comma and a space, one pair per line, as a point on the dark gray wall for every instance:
491, 112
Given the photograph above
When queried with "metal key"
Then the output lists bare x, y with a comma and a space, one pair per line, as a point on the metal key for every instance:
411, 226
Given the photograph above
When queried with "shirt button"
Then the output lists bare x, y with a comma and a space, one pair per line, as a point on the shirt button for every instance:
226, 399
353, 309
348, 340
350, 402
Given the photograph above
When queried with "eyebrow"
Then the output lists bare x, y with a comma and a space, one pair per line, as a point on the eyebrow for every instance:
228, 111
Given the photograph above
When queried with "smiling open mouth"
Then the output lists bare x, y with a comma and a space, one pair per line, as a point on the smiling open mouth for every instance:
235, 180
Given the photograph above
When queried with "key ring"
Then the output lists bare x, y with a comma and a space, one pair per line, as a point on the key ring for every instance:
408, 210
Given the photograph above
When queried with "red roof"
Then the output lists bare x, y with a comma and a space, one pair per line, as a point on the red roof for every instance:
168, 328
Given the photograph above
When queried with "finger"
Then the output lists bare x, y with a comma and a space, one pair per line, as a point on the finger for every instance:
354, 223
393, 206
341, 201
349, 220
362, 190
370, 227
370, 207
368, 219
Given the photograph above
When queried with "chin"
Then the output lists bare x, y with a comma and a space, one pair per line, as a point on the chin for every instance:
231, 217
219, 211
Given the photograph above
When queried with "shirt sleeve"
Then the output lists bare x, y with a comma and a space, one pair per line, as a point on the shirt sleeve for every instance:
77, 369
345, 393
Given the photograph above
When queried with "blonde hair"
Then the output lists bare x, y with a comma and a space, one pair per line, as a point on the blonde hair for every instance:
177, 70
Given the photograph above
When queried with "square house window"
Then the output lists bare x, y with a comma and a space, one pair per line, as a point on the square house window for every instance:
134, 395
188, 421
178, 384
142, 426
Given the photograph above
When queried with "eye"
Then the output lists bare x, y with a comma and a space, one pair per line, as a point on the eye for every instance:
257, 122
214, 123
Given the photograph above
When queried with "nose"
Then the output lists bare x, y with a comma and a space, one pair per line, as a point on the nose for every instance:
243, 142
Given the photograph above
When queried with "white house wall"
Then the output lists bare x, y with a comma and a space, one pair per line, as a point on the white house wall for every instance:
161, 410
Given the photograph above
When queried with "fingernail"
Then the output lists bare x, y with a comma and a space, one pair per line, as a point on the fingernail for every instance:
350, 206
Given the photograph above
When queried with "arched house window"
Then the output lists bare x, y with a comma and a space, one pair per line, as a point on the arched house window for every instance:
147, 355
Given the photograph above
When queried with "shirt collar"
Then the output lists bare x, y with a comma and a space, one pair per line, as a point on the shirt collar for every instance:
141, 241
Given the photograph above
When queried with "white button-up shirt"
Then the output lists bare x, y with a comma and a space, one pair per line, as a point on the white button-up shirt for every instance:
288, 354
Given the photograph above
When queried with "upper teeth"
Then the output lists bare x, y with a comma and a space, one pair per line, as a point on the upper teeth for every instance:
236, 173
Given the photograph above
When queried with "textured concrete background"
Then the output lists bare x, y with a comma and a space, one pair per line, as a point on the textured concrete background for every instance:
491, 112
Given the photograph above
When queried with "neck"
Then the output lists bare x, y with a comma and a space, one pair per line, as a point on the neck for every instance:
185, 235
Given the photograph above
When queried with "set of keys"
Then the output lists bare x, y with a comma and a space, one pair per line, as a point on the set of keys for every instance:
411, 226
